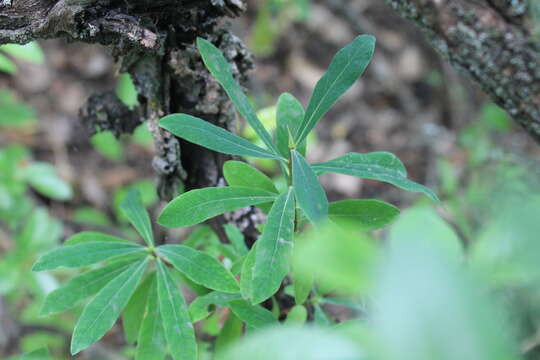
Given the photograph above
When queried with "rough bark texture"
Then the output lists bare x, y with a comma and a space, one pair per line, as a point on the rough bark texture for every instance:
490, 40
153, 40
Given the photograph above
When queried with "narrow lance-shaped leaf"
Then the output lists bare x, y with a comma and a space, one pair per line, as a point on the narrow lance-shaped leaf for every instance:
137, 215
91, 236
221, 70
239, 173
348, 64
101, 313
86, 253
246, 275
253, 315
200, 267
309, 192
81, 287
364, 214
178, 328
199, 205
379, 166
151, 344
289, 116
134, 311
212, 137
274, 249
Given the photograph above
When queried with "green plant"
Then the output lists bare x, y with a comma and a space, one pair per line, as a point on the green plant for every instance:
155, 311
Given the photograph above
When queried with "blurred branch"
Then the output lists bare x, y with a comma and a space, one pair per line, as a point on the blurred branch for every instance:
492, 42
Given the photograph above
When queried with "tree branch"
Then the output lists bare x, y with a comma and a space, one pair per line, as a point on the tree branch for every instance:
492, 42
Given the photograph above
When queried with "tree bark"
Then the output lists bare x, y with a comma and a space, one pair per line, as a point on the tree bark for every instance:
493, 42
153, 40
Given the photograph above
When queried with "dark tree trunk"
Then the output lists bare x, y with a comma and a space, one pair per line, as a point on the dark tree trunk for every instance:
154, 41
493, 42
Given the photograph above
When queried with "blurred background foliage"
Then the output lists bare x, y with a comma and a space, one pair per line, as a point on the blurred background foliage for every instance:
459, 282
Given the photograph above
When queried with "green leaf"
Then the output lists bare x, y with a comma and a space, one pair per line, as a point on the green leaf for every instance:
379, 166
86, 253
456, 317
200, 268
199, 205
178, 328
339, 257
239, 173
364, 214
91, 236
309, 192
297, 315
15, 113
274, 249
303, 283
44, 178
101, 313
246, 276
81, 287
137, 215
29, 52
199, 308
296, 342
39, 354
236, 238
229, 334
134, 311
212, 137
126, 91
108, 145
348, 64
90, 216
151, 344
319, 316
253, 315
221, 70
436, 232
7, 65
289, 116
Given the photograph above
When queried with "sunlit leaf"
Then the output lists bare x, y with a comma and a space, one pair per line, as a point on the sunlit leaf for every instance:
348, 64
274, 248
297, 315
293, 343
7, 65
453, 319
101, 313
29, 52
340, 258
44, 178
198, 205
